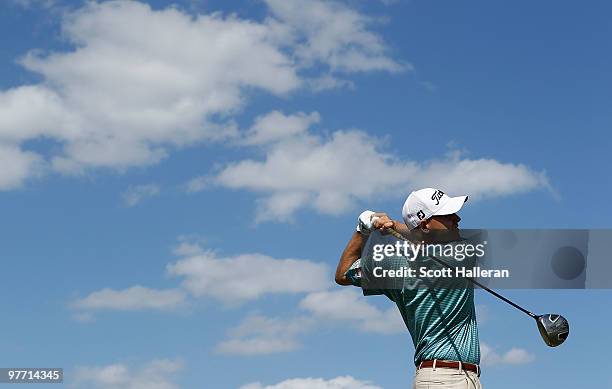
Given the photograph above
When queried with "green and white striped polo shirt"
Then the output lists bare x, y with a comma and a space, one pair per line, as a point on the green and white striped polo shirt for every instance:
441, 321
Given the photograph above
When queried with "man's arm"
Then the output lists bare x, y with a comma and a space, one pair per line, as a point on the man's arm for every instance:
367, 221
351, 253
400, 227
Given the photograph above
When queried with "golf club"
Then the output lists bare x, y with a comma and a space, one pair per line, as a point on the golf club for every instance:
553, 327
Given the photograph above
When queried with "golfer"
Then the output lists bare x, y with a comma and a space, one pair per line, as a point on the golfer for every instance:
441, 321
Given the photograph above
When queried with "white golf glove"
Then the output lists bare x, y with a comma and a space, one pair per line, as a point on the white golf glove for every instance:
365, 222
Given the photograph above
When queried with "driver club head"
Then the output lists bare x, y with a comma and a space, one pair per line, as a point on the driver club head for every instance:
554, 328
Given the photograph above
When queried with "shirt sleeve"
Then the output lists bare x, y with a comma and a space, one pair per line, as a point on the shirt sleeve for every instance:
353, 274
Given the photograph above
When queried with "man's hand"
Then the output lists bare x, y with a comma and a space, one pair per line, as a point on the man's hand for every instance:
369, 221
366, 222
381, 221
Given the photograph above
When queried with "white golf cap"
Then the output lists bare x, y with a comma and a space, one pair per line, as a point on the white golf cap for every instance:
425, 203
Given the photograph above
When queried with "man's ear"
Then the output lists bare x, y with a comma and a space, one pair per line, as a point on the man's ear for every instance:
423, 225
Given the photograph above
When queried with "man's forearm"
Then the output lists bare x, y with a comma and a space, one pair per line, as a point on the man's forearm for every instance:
351, 253
353, 249
400, 227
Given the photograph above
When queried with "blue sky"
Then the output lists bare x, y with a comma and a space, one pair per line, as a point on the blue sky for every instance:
179, 178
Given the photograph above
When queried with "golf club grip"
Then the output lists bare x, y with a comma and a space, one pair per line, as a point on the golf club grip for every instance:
398, 235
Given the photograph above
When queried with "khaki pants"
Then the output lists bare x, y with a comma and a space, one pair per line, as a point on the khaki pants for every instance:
445, 378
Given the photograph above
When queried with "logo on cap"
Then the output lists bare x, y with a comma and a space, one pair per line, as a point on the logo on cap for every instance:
421, 214
437, 196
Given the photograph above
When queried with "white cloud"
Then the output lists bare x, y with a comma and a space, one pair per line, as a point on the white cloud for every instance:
349, 306
136, 194
34, 3
260, 335
17, 166
133, 298
83, 317
480, 178
326, 82
187, 248
483, 314
257, 346
197, 184
248, 276
343, 382
514, 356
232, 280
281, 206
127, 95
329, 32
128, 89
330, 174
276, 126
157, 374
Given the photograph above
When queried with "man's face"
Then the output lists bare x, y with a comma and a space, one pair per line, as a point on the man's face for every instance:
444, 222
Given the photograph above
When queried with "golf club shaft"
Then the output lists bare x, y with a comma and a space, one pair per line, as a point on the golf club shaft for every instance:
494, 293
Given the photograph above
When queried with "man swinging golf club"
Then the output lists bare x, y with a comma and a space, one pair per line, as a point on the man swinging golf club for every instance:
441, 321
